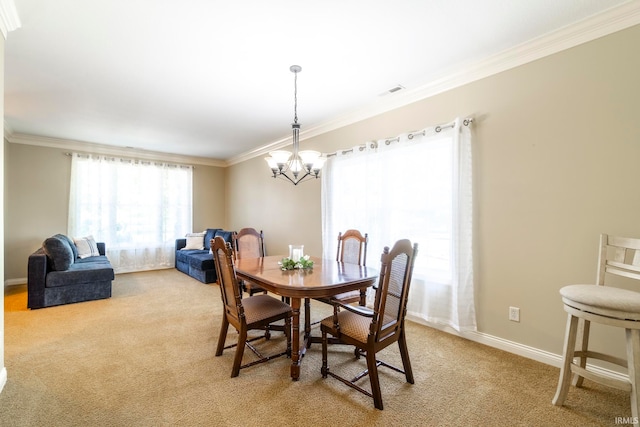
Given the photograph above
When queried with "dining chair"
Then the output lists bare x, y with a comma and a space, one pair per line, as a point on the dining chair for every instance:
352, 248
249, 243
257, 312
372, 329
608, 302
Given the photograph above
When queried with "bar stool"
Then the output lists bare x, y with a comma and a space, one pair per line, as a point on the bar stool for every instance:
608, 305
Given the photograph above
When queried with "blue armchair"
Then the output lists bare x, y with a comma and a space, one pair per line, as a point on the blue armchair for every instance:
56, 275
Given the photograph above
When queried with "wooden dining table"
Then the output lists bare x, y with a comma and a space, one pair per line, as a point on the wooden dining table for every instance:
327, 278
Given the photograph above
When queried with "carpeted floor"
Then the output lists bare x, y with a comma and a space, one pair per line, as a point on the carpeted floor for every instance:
145, 357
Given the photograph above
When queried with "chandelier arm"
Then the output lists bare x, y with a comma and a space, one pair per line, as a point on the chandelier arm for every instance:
297, 181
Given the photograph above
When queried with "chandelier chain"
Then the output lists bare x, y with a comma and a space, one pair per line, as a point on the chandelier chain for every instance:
295, 97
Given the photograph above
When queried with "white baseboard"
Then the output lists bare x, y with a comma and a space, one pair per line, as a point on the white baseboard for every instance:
3, 378
513, 347
15, 282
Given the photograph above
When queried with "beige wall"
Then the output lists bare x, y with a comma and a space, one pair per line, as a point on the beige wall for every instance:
556, 149
37, 200
209, 184
3, 189
286, 213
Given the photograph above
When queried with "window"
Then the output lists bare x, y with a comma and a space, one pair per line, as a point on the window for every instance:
418, 188
138, 208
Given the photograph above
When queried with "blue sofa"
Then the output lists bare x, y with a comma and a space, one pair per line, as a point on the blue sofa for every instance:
198, 263
56, 275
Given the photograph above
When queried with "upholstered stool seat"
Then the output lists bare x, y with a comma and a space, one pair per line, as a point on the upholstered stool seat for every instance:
606, 301
607, 305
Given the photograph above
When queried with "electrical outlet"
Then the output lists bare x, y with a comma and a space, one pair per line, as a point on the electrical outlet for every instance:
514, 314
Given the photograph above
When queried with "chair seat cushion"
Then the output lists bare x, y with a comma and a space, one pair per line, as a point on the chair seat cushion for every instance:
262, 307
603, 300
351, 324
346, 297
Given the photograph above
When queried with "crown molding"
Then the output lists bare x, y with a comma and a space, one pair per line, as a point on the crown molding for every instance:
586, 30
8, 130
86, 147
9, 19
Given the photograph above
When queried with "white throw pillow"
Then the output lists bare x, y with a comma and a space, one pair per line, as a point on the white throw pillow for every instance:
194, 241
87, 246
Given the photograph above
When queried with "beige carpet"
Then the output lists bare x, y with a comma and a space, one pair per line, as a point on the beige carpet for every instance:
145, 357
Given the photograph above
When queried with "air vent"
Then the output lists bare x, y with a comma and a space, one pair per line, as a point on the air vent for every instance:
394, 89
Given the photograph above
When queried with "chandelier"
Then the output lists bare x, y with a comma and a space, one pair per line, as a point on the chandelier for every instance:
299, 165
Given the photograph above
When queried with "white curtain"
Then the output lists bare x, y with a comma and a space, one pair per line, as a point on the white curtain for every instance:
138, 208
416, 186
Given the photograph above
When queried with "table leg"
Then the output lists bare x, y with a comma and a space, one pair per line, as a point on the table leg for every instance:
363, 296
295, 339
307, 318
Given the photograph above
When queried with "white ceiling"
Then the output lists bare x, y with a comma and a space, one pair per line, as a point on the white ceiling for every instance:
210, 78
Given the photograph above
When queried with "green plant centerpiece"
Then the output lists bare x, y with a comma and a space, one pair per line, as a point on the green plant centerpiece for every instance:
304, 263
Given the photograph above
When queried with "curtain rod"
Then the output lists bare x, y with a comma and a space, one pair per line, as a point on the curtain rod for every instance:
374, 144
131, 160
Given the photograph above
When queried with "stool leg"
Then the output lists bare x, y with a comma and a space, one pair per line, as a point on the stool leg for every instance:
583, 331
633, 359
564, 382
